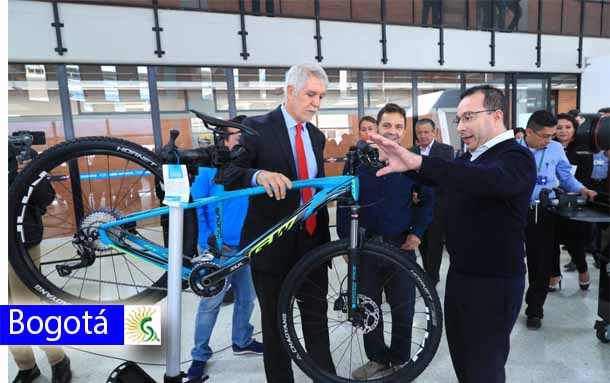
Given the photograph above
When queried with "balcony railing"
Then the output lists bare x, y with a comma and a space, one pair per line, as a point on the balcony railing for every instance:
560, 17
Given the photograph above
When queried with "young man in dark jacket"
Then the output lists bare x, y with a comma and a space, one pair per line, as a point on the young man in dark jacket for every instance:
388, 215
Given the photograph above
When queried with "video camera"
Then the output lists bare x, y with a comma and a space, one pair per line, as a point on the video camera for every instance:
20, 150
20, 143
592, 136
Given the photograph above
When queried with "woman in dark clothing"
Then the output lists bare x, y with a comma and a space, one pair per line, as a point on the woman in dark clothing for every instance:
573, 234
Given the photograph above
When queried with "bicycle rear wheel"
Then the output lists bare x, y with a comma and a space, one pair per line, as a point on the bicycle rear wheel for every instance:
398, 327
85, 183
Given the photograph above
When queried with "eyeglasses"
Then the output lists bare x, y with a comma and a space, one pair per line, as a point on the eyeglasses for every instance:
469, 116
547, 137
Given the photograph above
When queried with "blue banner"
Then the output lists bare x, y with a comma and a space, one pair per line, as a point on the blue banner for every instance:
61, 325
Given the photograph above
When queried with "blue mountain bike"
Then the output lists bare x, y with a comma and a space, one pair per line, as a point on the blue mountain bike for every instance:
94, 244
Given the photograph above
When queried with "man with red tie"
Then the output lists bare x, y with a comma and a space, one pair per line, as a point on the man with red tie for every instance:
288, 148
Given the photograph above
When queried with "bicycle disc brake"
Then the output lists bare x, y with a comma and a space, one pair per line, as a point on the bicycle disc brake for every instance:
370, 313
197, 280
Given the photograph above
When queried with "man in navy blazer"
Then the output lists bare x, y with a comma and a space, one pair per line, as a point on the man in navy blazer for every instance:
433, 242
288, 148
489, 191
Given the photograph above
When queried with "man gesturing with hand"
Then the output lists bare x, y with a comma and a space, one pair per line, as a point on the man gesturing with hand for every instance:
489, 191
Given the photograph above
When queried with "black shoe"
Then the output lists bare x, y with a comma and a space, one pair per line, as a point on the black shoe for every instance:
196, 370
571, 266
61, 372
534, 323
27, 376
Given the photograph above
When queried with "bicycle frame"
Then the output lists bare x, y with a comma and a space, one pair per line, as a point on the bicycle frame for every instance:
331, 189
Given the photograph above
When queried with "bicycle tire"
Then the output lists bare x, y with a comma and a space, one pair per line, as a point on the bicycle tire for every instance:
81, 149
322, 256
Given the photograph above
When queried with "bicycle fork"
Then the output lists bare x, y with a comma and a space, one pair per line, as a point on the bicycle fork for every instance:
354, 266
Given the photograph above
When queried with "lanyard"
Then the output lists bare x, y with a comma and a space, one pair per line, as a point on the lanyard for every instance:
541, 161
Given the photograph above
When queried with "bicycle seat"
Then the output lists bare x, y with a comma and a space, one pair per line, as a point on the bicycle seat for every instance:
217, 122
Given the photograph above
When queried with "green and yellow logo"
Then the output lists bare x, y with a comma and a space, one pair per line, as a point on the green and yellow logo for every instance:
142, 325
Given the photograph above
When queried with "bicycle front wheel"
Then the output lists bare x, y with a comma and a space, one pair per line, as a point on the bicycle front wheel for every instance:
390, 336
56, 205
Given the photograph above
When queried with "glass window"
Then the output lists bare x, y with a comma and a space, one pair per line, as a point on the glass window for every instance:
593, 18
183, 88
438, 94
337, 116
454, 13
400, 12
570, 22
335, 9
383, 87
33, 102
258, 90
111, 100
366, 10
551, 16
531, 96
298, 8
564, 90
507, 15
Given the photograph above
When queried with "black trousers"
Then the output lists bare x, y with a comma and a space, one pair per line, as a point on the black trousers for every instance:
436, 6
313, 306
432, 245
539, 248
574, 234
603, 308
380, 276
480, 313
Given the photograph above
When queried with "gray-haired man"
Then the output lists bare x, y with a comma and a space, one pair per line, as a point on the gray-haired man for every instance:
288, 148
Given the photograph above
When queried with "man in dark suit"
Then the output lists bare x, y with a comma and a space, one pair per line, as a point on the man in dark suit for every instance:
288, 148
489, 192
431, 247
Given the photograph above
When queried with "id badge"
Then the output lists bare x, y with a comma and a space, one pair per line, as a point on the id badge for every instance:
541, 180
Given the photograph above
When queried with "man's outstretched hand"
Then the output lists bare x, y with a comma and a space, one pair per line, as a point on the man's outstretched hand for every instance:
398, 158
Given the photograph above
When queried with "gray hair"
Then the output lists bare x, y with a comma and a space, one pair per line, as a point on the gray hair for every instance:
298, 74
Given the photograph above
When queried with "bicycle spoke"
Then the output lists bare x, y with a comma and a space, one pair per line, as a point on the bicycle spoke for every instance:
108, 180
115, 278
130, 273
82, 285
140, 270
129, 188
359, 349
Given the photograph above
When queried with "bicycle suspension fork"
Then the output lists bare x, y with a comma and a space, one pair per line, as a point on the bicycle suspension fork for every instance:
354, 262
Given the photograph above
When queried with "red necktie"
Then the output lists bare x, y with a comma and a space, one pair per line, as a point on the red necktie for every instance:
306, 193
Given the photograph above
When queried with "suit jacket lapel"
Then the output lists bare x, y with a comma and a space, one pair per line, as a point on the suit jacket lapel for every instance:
433, 149
318, 149
281, 133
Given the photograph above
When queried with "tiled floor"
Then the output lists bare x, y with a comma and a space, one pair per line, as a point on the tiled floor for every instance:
564, 350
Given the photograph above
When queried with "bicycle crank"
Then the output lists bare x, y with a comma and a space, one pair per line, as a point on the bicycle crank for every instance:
201, 285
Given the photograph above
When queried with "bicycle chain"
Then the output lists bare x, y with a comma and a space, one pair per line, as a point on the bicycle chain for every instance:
126, 284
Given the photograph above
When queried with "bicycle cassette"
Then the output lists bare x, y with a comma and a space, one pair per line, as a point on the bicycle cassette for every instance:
197, 276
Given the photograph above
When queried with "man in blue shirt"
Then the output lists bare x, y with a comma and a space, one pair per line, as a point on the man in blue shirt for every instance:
552, 170
234, 214
389, 216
